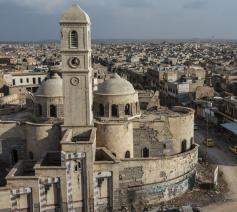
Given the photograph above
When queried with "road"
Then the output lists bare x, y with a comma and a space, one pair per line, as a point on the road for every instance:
227, 162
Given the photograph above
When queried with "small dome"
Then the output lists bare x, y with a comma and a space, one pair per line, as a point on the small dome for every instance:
52, 87
76, 15
115, 86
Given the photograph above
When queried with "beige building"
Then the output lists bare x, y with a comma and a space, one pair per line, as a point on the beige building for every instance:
94, 152
21, 82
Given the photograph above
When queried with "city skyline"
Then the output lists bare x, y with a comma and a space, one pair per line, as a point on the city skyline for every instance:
124, 124
33, 20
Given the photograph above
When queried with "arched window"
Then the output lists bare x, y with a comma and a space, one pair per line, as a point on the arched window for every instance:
31, 156
39, 109
127, 154
164, 146
101, 110
191, 141
114, 110
127, 109
184, 146
73, 39
145, 152
14, 156
79, 165
53, 111
75, 168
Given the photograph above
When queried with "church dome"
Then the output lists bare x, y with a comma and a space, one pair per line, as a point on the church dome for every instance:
52, 87
76, 15
115, 86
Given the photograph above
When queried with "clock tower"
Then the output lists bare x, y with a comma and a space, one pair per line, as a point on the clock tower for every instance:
76, 67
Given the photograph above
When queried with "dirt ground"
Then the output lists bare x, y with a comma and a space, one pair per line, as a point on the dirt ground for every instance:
227, 161
203, 193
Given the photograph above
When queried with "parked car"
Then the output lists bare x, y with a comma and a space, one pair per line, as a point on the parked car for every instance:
209, 142
233, 149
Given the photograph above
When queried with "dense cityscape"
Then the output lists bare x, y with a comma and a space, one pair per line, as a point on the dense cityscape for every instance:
117, 125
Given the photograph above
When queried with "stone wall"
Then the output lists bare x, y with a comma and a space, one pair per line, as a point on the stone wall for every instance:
137, 183
155, 136
18, 182
104, 111
10, 99
167, 134
6, 151
16, 179
147, 176
5, 203
151, 195
116, 137
42, 138
181, 127
25, 138
45, 103
87, 146
106, 102
12, 138
116, 99
11, 129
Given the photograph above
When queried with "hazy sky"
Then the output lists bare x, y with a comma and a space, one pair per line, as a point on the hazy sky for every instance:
38, 19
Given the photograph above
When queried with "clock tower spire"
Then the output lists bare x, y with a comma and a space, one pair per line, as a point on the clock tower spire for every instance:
76, 67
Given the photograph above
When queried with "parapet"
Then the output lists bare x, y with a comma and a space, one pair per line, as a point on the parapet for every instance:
79, 135
182, 110
23, 168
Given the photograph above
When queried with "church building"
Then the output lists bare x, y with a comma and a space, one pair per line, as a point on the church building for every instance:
87, 151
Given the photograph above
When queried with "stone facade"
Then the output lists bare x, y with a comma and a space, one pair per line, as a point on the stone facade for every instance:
12, 142
48, 100
76, 68
144, 182
27, 140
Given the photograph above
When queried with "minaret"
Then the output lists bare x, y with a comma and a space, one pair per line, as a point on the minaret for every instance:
76, 67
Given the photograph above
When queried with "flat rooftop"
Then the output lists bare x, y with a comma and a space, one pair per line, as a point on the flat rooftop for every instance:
160, 113
27, 73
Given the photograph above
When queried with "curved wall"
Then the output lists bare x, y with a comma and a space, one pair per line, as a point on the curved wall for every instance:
140, 182
160, 169
42, 138
12, 137
117, 137
155, 180
45, 103
181, 127
116, 99
120, 101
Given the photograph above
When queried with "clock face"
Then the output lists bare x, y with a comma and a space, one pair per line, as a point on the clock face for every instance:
74, 62
74, 81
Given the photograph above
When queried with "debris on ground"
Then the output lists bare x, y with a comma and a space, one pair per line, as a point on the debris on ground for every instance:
203, 192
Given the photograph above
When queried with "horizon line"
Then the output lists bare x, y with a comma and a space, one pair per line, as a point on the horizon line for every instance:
123, 39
